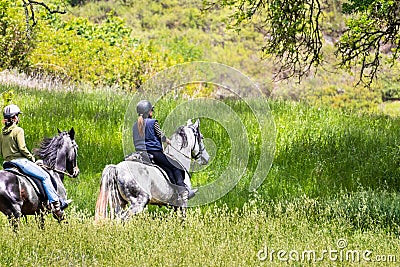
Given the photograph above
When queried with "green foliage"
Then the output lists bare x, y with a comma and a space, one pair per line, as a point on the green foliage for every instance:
391, 94
113, 30
107, 43
362, 210
377, 7
321, 151
103, 55
210, 238
366, 209
344, 151
76, 2
7, 97
292, 29
372, 25
357, 99
15, 42
294, 33
181, 47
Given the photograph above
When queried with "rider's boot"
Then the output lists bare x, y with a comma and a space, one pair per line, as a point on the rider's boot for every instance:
64, 203
56, 210
191, 192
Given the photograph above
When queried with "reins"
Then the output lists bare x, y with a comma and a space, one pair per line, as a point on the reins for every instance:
49, 149
56, 170
177, 150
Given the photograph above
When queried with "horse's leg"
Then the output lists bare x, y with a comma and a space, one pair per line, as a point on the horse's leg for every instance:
14, 216
132, 192
183, 212
40, 219
12, 210
14, 222
137, 204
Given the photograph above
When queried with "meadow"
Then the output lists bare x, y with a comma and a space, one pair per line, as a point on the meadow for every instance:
330, 197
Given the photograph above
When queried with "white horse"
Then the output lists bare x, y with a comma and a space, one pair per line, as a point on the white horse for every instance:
126, 188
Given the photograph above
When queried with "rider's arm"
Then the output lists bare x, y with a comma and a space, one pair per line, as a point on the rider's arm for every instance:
159, 133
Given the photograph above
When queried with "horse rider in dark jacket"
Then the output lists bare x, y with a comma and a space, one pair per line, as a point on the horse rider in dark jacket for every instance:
147, 136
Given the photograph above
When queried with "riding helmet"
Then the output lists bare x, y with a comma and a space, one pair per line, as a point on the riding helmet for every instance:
144, 107
11, 111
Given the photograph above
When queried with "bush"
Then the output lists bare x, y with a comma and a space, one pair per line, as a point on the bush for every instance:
99, 54
15, 41
391, 94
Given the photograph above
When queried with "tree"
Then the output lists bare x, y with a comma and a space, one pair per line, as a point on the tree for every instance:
18, 37
293, 32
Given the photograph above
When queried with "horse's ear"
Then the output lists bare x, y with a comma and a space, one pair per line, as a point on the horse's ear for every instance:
197, 123
72, 133
58, 130
189, 122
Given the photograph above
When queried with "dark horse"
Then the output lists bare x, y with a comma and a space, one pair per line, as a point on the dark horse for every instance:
19, 196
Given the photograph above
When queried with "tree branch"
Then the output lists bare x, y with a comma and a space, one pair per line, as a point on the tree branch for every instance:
363, 46
30, 12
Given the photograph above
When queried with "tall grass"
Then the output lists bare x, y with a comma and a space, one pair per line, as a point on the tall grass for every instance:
215, 236
323, 151
335, 175
319, 152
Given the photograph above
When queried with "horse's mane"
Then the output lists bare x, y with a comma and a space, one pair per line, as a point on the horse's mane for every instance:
181, 132
48, 149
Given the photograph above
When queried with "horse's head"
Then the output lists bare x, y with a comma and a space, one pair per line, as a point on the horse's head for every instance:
198, 152
60, 153
70, 149
187, 145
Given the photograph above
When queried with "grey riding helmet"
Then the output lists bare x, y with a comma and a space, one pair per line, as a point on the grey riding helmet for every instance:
144, 107
11, 111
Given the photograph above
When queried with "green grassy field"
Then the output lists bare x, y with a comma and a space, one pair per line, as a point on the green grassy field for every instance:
333, 181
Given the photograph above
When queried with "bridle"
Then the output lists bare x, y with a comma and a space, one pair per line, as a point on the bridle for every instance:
75, 165
197, 136
55, 170
75, 168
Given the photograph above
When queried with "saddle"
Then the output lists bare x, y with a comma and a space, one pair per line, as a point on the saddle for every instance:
142, 157
147, 159
36, 183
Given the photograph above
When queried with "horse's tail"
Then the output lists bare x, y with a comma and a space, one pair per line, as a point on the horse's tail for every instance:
107, 193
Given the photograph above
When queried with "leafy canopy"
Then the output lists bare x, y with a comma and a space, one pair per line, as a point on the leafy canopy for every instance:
293, 32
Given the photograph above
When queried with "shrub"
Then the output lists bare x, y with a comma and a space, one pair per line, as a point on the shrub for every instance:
100, 54
15, 40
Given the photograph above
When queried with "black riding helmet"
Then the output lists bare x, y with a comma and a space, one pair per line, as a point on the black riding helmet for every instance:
144, 107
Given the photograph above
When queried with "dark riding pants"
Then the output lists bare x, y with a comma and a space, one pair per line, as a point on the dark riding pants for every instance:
175, 174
